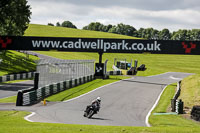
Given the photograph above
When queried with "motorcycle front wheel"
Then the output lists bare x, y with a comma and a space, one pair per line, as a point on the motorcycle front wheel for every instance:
90, 114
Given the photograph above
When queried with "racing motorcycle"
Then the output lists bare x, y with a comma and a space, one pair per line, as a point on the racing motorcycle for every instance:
90, 111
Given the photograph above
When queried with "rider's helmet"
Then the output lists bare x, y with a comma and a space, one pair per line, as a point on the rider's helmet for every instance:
99, 99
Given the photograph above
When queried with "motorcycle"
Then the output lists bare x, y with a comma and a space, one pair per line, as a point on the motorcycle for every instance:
90, 111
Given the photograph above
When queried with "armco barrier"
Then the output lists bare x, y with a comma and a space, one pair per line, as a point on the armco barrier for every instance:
114, 72
195, 113
115, 68
19, 76
177, 104
32, 96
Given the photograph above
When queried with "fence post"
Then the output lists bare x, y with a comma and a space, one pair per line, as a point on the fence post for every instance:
173, 105
19, 98
36, 81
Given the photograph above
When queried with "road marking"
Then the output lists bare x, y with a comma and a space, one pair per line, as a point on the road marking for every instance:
33, 113
8, 96
147, 117
171, 77
28, 116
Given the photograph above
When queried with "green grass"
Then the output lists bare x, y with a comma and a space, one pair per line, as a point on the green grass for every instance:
82, 89
11, 99
16, 62
190, 91
155, 63
13, 81
72, 92
53, 31
165, 99
13, 122
169, 120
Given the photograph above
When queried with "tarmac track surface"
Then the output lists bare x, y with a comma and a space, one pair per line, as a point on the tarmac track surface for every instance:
124, 103
7, 90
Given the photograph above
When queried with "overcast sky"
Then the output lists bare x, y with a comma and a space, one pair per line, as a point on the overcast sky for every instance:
159, 14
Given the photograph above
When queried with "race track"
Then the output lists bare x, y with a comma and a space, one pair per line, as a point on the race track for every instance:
7, 90
124, 103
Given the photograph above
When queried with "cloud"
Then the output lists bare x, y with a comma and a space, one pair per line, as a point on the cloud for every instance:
153, 5
158, 14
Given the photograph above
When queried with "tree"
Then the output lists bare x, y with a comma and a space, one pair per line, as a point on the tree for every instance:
130, 30
123, 30
50, 24
85, 28
180, 35
14, 17
108, 27
195, 34
141, 33
113, 30
58, 24
165, 34
96, 26
155, 34
68, 24
148, 33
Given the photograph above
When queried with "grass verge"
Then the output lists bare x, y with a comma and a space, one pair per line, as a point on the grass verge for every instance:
53, 31
169, 120
72, 92
155, 63
82, 89
16, 62
11, 99
190, 91
12, 121
14, 81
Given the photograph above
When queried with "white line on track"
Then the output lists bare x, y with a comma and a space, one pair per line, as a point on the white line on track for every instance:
171, 77
147, 117
33, 113
8, 96
28, 116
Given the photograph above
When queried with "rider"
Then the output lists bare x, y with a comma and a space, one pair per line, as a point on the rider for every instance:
96, 102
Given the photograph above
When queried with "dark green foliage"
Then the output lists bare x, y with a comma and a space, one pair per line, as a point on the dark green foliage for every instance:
15, 17
68, 24
58, 24
193, 34
146, 33
165, 34
50, 24
16, 62
96, 26
119, 29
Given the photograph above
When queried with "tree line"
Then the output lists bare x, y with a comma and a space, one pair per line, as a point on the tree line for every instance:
147, 33
15, 17
67, 24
